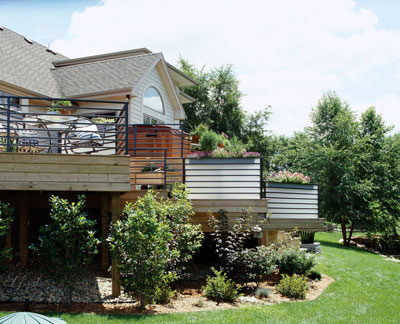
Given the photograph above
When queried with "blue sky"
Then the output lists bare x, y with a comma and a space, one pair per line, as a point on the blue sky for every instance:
285, 53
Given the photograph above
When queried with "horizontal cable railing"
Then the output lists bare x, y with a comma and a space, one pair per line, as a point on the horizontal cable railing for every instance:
63, 126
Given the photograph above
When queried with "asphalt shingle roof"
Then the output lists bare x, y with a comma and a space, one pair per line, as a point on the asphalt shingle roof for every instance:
101, 76
27, 65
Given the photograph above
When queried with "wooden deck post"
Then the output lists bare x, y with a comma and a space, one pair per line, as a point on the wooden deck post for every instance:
9, 240
23, 230
104, 233
115, 212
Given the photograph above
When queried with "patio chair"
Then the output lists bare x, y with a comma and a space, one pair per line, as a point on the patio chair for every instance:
83, 137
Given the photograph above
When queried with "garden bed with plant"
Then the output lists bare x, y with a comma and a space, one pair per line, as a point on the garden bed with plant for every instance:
155, 243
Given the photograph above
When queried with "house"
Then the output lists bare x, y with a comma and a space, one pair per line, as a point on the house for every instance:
138, 92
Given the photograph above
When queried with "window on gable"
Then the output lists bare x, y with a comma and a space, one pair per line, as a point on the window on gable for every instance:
152, 99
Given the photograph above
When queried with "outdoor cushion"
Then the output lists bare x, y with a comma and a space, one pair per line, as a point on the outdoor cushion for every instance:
27, 138
86, 135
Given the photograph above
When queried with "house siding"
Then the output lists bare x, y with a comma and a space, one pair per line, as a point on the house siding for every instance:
137, 109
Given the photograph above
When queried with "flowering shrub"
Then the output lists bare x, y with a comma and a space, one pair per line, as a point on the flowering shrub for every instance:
152, 167
288, 177
221, 153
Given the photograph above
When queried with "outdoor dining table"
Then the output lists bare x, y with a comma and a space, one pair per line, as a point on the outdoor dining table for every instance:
52, 123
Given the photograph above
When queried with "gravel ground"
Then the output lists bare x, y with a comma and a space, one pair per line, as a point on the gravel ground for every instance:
18, 283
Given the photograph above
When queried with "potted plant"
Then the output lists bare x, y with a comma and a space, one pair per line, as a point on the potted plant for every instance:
104, 124
197, 132
58, 107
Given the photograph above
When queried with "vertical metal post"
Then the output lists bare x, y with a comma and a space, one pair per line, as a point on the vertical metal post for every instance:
126, 128
261, 179
181, 143
134, 139
8, 124
165, 168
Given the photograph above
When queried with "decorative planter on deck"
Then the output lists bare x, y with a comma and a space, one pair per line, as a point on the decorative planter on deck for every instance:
223, 178
292, 200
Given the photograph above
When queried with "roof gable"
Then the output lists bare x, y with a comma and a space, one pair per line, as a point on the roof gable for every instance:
103, 76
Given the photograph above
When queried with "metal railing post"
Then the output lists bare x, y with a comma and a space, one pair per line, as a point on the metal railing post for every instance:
8, 124
181, 143
134, 138
261, 179
165, 168
126, 128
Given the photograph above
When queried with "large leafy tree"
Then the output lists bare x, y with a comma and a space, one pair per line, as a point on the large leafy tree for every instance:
334, 133
217, 99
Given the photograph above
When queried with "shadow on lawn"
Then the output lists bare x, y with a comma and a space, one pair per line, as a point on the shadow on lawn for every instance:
340, 246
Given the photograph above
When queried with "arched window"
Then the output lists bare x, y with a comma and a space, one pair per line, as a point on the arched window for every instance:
152, 99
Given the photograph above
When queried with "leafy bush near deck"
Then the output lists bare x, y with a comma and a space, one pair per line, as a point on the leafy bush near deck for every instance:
153, 241
221, 287
294, 261
6, 217
68, 243
293, 286
140, 243
240, 263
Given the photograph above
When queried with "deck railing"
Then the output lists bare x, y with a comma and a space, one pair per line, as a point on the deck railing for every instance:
45, 125
216, 178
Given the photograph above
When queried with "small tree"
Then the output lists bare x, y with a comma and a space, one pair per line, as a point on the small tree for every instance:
140, 242
6, 217
68, 243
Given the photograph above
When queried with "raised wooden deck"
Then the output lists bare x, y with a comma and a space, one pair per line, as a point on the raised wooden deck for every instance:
64, 172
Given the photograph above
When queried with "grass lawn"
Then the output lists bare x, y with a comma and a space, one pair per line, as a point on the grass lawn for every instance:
367, 290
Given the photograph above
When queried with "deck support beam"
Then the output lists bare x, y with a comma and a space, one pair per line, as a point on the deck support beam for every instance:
23, 230
115, 213
104, 233
9, 239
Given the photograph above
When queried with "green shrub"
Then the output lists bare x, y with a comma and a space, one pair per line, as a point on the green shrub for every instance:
294, 261
209, 141
293, 286
6, 217
389, 243
262, 292
314, 275
68, 243
164, 292
255, 263
221, 286
140, 242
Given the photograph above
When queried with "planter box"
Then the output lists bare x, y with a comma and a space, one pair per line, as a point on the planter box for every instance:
288, 200
223, 178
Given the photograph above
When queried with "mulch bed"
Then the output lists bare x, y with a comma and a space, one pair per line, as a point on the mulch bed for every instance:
188, 298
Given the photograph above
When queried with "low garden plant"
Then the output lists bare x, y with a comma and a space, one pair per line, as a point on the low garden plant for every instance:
294, 261
314, 275
293, 286
220, 287
262, 292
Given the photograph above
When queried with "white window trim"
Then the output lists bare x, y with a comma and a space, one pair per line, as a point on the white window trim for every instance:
161, 97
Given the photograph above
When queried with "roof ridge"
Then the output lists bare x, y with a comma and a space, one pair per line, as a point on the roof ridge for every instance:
101, 61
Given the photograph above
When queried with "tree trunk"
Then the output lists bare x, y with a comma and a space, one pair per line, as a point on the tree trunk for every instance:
344, 233
142, 302
351, 232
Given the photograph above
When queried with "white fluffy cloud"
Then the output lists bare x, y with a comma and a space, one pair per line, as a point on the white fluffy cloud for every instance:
286, 53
